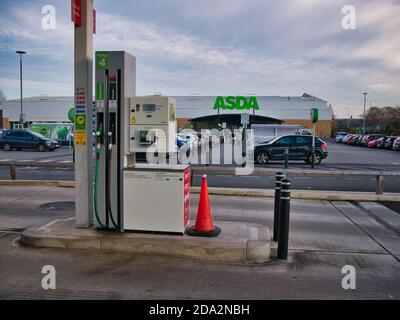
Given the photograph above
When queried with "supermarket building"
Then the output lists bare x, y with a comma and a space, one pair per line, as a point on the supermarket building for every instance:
195, 111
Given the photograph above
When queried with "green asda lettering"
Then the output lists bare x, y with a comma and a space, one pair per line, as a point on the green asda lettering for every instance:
236, 103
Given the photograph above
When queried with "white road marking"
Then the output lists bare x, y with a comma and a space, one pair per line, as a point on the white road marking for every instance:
4, 160
15, 242
224, 175
66, 161
46, 161
328, 178
45, 228
24, 160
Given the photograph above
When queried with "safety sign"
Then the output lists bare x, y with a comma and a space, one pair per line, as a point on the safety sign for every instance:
80, 122
80, 138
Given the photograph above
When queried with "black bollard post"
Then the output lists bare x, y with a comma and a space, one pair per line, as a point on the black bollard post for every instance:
286, 158
283, 235
278, 178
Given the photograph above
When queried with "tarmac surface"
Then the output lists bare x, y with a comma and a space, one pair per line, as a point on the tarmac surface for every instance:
341, 157
324, 237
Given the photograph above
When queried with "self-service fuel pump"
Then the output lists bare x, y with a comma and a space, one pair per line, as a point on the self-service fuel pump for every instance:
115, 84
129, 195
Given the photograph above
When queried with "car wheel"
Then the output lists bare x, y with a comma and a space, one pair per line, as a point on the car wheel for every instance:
41, 147
262, 157
7, 147
317, 158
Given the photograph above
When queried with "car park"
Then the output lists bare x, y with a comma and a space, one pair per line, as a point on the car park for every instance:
24, 139
299, 147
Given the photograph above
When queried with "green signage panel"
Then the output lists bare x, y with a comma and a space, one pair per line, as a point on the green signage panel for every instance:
314, 115
101, 60
236, 103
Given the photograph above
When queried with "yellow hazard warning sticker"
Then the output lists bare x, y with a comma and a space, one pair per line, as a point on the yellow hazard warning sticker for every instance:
80, 138
133, 120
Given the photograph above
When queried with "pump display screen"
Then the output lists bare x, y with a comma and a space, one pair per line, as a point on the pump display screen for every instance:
143, 137
149, 107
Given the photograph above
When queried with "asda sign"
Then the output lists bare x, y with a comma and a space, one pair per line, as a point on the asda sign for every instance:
236, 103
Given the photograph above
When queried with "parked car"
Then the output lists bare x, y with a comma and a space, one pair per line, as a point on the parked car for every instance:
372, 144
351, 138
299, 146
396, 144
369, 138
381, 142
339, 136
344, 140
357, 140
389, 142
24, 139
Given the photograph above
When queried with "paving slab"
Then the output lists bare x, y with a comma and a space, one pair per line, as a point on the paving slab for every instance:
378, 222
238, 241
20, 207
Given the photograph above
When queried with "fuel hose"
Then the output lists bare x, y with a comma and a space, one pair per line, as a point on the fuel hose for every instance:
96, 179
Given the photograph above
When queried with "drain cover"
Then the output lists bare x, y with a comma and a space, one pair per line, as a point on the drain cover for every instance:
59, 206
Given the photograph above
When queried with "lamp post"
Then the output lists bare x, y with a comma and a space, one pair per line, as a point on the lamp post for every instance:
21, 115
348, 118
365, 100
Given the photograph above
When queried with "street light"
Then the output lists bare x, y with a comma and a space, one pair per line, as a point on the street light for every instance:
365, 100
21, 115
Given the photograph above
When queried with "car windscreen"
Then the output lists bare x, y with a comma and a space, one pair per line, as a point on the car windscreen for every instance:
37, 134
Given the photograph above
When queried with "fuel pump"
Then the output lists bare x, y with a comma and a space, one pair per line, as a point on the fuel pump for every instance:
115, 83
129, 195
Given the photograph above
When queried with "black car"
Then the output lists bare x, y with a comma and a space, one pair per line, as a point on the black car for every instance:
389, 142
24, 139
299, 146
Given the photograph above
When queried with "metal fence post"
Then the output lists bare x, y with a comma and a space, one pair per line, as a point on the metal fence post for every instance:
283, 235
13, 171
286, 158
278, 178
379, 184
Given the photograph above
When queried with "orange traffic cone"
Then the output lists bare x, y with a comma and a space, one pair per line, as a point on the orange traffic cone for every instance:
204, 226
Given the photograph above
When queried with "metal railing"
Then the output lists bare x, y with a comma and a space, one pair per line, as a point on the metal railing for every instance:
379, 175
13, 165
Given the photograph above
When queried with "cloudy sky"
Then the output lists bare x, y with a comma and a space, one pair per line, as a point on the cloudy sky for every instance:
217, 47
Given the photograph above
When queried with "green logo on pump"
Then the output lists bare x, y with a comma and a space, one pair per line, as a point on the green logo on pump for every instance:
100, 91
101, 60
236, 103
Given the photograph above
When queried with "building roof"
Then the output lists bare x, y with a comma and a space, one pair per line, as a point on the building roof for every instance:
55, 108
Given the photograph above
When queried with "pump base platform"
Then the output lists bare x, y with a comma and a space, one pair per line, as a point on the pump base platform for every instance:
238, 242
